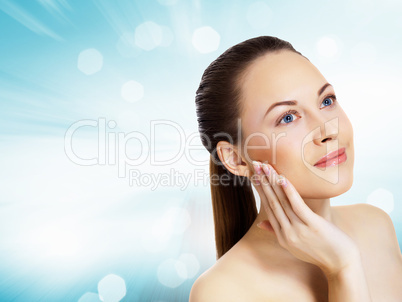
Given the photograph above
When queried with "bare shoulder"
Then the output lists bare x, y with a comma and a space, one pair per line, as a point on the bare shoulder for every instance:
368, 222
357, 208
366, 211
360, 214
232, 279
366, 216
215, 285
382, 227
374, 231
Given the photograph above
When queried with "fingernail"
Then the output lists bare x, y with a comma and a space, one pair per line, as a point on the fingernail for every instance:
259, 224
257, 167
265, 168
282, 181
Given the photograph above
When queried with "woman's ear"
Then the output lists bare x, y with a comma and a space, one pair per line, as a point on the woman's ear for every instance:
233, 161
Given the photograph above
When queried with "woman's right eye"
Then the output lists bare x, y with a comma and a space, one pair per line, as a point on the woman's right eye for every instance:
285, 116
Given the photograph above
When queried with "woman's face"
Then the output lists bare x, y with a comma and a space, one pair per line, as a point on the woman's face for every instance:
292, 142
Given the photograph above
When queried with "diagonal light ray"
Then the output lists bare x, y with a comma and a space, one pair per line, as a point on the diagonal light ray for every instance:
26, 19
56, 7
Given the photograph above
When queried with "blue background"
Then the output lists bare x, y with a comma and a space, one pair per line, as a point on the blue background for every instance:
73, 229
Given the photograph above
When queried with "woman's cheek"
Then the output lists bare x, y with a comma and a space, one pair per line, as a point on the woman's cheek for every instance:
258, 147
262, 154
286, 154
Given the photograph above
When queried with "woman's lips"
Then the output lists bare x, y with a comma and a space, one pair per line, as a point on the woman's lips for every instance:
332, 158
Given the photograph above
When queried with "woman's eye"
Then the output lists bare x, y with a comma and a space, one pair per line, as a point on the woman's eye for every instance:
329, 100
287, 117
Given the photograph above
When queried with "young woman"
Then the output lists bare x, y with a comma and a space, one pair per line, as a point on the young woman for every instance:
270, 119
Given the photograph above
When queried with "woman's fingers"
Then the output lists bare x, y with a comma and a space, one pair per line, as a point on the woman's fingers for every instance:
312, 239
287, 191
275, 181
266, 225
272, 200
259, 187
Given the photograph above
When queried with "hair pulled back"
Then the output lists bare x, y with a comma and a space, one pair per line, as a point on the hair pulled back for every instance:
218, 109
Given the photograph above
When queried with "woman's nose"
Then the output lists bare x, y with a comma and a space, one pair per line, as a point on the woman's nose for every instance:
328, 130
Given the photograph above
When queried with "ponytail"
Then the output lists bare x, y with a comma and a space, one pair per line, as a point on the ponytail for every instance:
233, 206
218, 107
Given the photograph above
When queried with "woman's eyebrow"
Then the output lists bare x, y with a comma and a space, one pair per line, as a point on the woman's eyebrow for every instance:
323, 88
320, 91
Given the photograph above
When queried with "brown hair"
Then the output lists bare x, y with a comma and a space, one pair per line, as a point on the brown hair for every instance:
218, 107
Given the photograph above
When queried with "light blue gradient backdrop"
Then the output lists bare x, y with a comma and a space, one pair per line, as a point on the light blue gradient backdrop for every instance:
65, 226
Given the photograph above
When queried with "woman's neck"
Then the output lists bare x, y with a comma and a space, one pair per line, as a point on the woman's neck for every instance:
266, 242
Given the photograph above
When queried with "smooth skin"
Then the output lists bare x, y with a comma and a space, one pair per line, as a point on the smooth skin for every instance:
311, 238
303, 233
294, 261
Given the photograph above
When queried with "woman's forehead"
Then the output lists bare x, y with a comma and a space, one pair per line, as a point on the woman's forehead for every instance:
279, 76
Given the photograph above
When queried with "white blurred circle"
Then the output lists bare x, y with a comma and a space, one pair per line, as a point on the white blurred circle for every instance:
382, 199
148, 35
132, 91
206, 39
259, 15
191, 265
327, 47
90, 61
363, 54
111, 124
168, 273
112, 288
126, 46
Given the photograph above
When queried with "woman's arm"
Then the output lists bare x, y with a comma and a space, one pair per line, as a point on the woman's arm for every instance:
350, 284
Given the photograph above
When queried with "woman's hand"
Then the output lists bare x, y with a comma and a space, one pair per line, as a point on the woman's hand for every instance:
306, 235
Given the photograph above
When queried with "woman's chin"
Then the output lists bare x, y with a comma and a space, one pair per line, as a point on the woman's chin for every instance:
325, 186
343, 185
